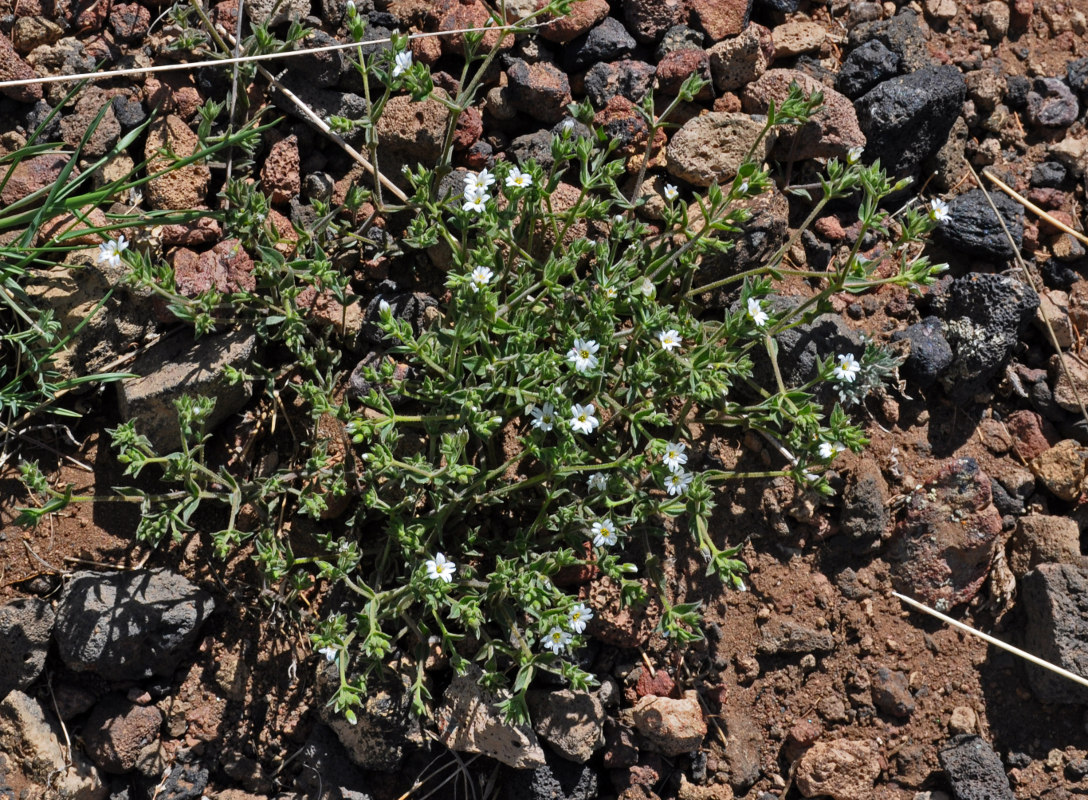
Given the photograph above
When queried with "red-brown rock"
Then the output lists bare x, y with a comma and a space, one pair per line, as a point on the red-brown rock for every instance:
720, 18
32, 174
679, 65
13, 68
227, 267
280, 177
584, 14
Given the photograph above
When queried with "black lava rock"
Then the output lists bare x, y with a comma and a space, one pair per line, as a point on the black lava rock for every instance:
1055, 599
865, 511
783, 6
322, 69
1048, 175
984, 315
1076, 75
901, 34
129, 625
1057, 275
679, 37
632, 79
129, 112
39, 113
606, 42
536, 146
556, 780
865, 67
974, 770
906, 119
1051, 104
930, 353
1016, 91
973, 228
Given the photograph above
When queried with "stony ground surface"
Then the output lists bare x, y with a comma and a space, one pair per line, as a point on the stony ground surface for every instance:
132, 674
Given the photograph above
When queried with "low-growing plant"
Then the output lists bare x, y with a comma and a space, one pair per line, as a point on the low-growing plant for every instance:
543, 419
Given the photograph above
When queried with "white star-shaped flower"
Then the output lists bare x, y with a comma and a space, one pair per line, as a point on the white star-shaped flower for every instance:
582, 355
480, 181
677, 482
756, 312
440, 568
557, 640
675, 457
579, 616
517, 179
402, 62
329, 652
671, 192
543, 418
604, 533
475, 199
938, 210
669, 339
853, 155
598, 482
582, 419
480, 276
846, 368
110, 252
828, 450
743, 188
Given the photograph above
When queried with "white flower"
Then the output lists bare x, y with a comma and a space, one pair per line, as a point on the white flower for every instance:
610, 291
440, 568
756, 312
582, 419
647, 289
677, 482
579, 616
670, 339
475, 199
853, 155
598, 482
582, 355
543, 418
557, 640
481, 181
743, 188
402, 61
671, 192
351, 8
518, 179
384, 307
675, 457
938, 209
828, 450
110, 252
568, 126
604, 533
480, 276
329, 653
846, 368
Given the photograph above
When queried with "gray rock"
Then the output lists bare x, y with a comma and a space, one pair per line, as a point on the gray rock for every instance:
678, 37
273, 12
26, 626
321, 69
801, 348
469, 721
974, 770
129, 625
737, 61
540, 90
901, 34
930, 353
984, 315
782, 6
762, 234
557, 779
326, 764
865, 513
186, 781
891, 693
179, 366
844, 769
1076, 75
32, 741
630, 78
1055, 599
865, 67
784, 635
1051, 104
711, 147
648, 20
669, 726
608, 41
572, 722
906, 119
973, 227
